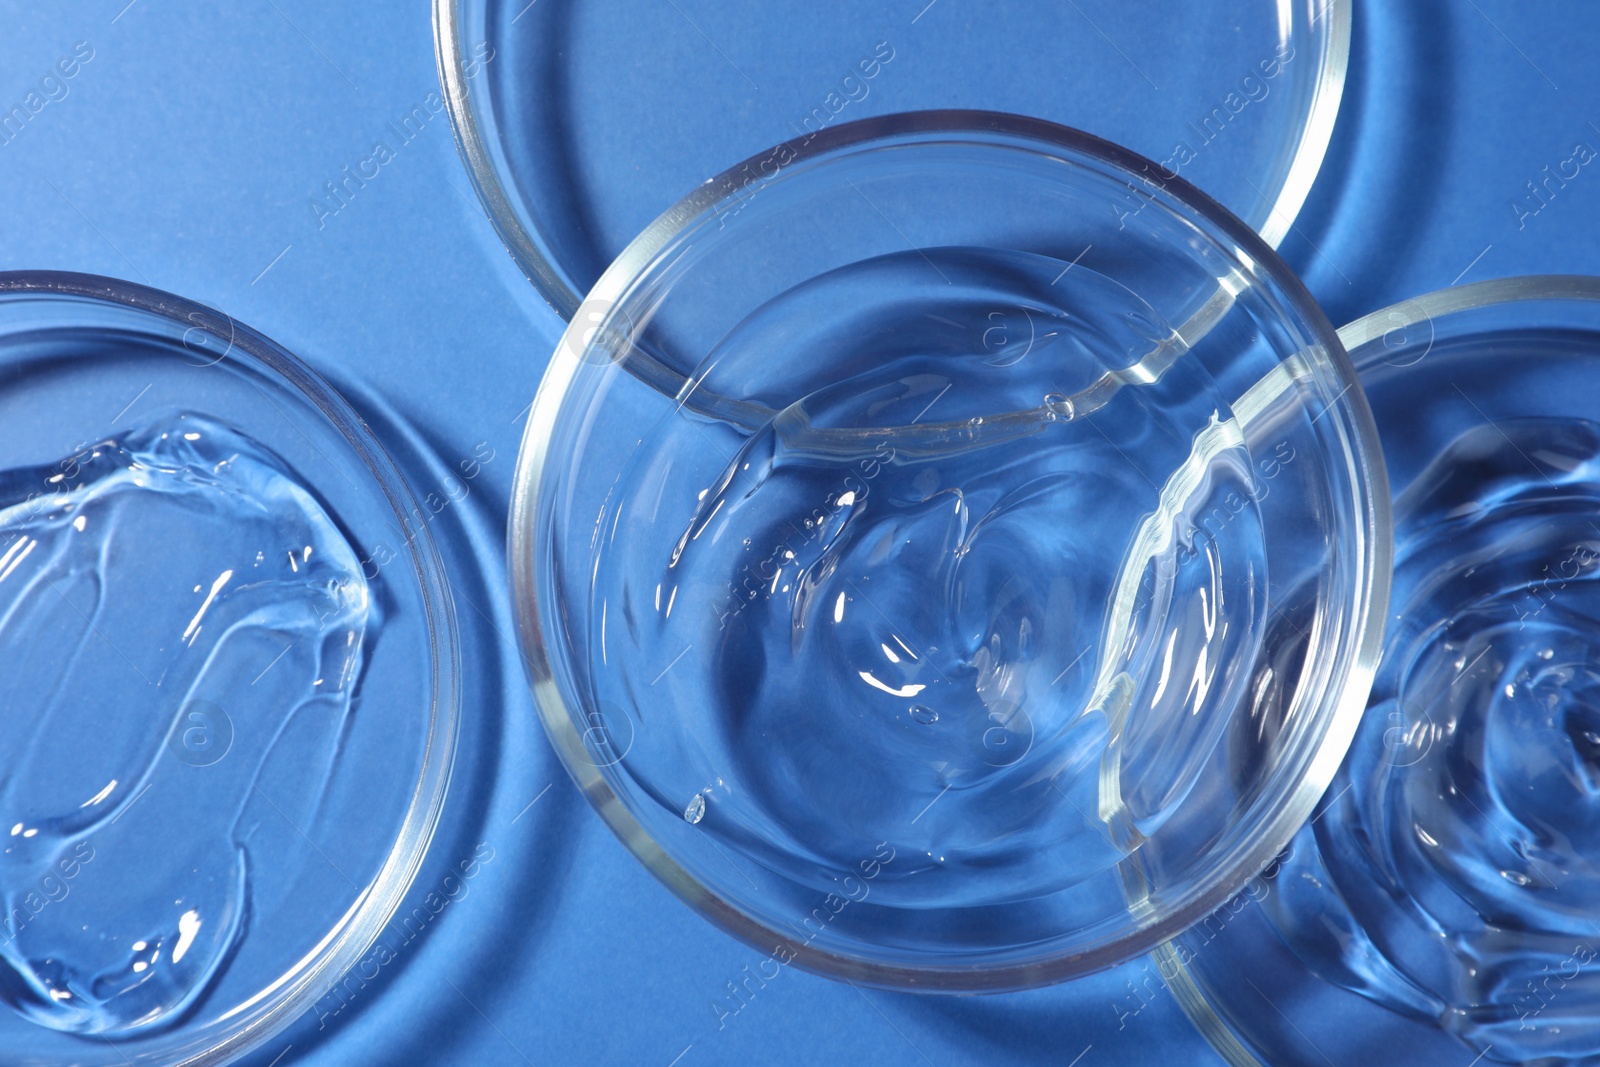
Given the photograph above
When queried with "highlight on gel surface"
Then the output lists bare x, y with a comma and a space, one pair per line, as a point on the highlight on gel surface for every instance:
178, 617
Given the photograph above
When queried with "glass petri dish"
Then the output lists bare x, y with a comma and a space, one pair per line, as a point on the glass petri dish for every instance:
577, 134
231, 680
996, 589
1440, 907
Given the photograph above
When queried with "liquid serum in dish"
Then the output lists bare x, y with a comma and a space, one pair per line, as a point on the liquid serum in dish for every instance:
178, 618
1455, 875
946, 581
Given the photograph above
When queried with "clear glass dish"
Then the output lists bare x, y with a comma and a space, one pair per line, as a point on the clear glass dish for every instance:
860, 515
576, 136
1440, 908
232, 679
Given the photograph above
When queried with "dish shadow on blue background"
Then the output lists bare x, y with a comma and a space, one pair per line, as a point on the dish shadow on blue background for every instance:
469, 853
1364, 222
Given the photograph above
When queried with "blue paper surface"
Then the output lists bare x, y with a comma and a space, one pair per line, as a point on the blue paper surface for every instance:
188, 149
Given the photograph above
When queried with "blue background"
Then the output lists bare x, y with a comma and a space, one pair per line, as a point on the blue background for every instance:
185, 155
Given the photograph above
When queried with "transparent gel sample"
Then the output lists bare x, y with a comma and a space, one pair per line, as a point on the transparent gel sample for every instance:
959, 526
953, 596
180, 621
1453, 877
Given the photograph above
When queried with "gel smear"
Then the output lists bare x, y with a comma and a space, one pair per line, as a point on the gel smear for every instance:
181, 633
948, 596
1453, 876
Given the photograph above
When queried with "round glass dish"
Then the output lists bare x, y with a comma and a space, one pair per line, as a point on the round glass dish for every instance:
231, 680
998, 584
1440, 908
582, 121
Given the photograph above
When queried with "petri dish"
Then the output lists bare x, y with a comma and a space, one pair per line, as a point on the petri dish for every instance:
996, 589
1440, 908
232, 676
577, 133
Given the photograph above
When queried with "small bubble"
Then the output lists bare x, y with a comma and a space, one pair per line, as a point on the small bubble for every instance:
1547, 654
975, 421
1516, 878
924, 714
1058, 406
696, 809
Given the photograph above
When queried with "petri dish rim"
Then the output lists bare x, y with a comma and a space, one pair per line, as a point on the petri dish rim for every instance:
450, 53
1278, 828
1187, 989
273, 1009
